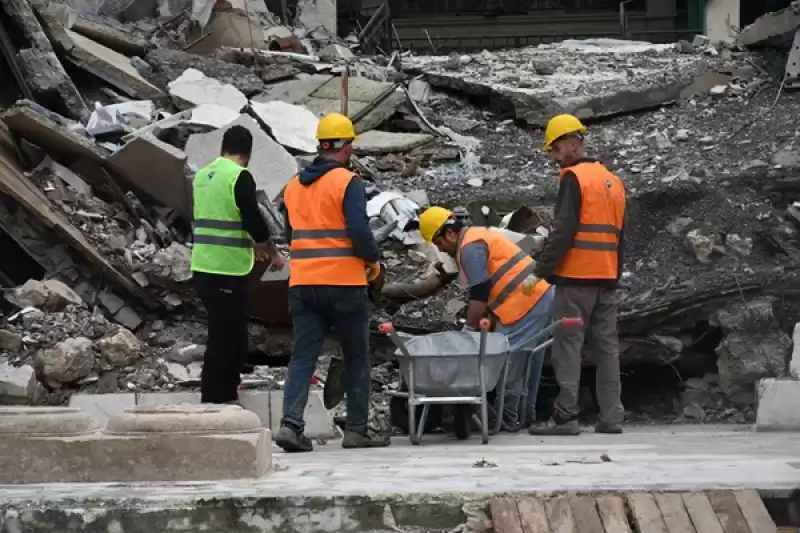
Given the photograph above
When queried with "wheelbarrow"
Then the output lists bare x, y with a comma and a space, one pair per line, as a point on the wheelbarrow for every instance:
436, 369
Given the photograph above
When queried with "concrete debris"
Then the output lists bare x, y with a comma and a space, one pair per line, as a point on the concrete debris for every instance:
272, 166
194, 88
18, 384
293, 126
383, 142
120, 349
334, 52
772, 26
213, 115
66, 362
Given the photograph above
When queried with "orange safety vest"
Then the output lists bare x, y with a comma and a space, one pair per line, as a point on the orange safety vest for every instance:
593, 254
508, 267
321, 252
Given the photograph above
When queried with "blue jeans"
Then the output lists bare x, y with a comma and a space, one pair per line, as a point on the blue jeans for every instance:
315, 310
523, 335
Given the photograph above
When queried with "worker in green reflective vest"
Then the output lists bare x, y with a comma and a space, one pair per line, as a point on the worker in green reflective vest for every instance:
229, 236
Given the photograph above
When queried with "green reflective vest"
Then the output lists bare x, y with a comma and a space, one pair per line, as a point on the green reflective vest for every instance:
221, 245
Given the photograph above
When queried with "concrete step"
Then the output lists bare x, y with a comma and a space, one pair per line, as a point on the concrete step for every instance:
642, 512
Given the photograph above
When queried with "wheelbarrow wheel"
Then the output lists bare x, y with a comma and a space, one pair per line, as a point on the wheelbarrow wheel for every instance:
462, 421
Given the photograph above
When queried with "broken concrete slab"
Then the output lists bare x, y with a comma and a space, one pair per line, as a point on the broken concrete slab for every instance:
170, 186
293, 91
111, 67
193, 88
375, 142
60, 142
168, 65
118, 40
778, 25
103, 407
272, 166
213, 115
293, 126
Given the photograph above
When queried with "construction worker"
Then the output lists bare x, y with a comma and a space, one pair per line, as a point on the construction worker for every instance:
333, 258
229, 235
495, 270
583, 259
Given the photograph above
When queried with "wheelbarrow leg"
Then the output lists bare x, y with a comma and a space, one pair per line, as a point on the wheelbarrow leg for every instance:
500, 401
523, 396
414, 434
484, 399
423, 420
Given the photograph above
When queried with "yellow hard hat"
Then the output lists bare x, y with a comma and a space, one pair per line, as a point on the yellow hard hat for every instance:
559, 126
432, 220
335, 126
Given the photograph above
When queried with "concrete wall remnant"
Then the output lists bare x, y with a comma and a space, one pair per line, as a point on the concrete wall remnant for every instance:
722, 17
195, 88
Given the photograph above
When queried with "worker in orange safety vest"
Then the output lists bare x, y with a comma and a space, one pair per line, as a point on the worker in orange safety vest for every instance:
333, 259
498, 274
583, 259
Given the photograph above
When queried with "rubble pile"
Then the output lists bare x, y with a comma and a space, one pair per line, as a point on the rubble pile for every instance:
111, 107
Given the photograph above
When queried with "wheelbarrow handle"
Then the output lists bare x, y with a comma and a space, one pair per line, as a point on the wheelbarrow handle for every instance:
388, 329
484, 324
574, 321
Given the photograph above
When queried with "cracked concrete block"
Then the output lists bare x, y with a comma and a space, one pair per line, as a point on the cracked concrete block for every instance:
128, 317
195, 88
17, 383
293, 126
778, 405
103, 407
170, 186
383, 142
213, 115
258, 402
271, 165
319, 422
111, 67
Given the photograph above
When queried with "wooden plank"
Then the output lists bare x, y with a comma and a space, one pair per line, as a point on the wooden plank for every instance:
613, 515
505, 516
646, 514
674, 514
533, 516
755, 512
559, 515
730, 515
584, 514
702, 514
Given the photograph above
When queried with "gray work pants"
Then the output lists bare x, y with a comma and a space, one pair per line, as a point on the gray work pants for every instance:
598, 309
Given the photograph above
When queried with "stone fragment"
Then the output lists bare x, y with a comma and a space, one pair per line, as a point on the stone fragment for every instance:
110, 301
17, 383
293, 126
169, 65
128, 318
66, 362
475, 182
787, 157
681, 135
10, 341
741, 245
186, 353
778, 401
60, 295
685, 47
213, 115
375, 142
103, 406
178, 371
32, 293
701, 245
794, 363
195, 88
718, 90
694, 412
121, 348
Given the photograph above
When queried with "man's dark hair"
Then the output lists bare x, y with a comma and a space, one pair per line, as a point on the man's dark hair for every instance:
237, 140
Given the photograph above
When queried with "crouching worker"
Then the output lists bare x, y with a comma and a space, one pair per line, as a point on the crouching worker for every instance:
496, 270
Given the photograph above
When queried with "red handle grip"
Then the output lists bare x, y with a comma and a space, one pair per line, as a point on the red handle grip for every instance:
571, 321
386, 327
484, 324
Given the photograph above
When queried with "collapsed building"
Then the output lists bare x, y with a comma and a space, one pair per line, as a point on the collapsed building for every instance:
109, 116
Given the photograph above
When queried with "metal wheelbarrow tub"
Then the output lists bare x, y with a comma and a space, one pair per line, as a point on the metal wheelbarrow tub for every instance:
447, 363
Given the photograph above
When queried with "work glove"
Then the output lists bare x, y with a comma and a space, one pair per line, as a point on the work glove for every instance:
528, 285
373, 271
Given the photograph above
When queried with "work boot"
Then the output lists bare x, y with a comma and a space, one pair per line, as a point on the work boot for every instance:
610, 429
364, 440
556, 426
292, 441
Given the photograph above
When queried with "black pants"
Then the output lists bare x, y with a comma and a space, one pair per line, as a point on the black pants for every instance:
225, 299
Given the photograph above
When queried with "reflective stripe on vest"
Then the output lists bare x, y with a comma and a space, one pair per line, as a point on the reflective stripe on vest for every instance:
508, 267
321, 251
221, 245
593, 254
